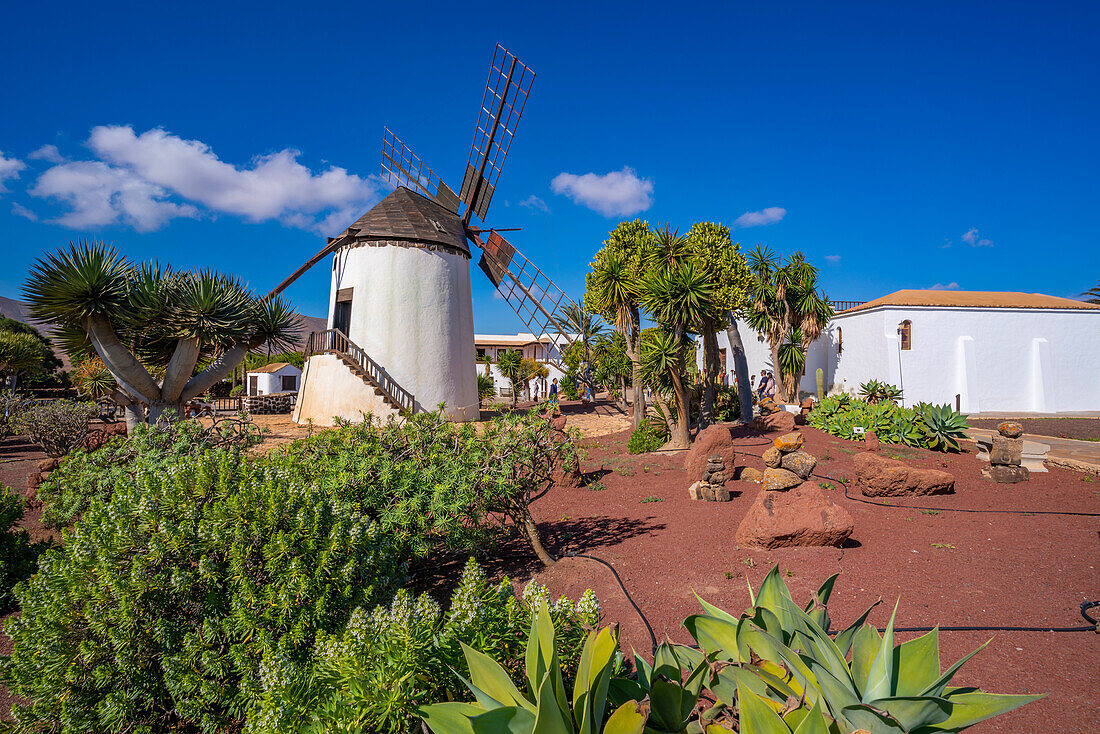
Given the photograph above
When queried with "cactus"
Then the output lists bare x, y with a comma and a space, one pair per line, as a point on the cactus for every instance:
820, 383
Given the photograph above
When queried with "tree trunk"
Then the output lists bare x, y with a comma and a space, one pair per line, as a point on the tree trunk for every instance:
532, 532
218, 369
182, 364
777, 374
127, 371
740, 367
135, 415
621, 402
160, 408
680, 437
711, 367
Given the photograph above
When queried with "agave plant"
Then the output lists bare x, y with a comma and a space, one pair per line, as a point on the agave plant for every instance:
672, 696
778, 652
144, 319
943, 427
546, 706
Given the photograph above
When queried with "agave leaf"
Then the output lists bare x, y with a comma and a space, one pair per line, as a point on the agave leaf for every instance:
450, 718
668, 701
913, 712
940, 684
863, 718
773, 593
812, 722
826, 647
880, 677
714, 611
625, 690
971, 707
666, 663
550, 718
755, 716
916, 664
865, 644
590, 688
718, 729
542, 655
645, 670
487, 676
817, 607
773, 650
845, 638
627, 719
837, 694
769, 621
730, 680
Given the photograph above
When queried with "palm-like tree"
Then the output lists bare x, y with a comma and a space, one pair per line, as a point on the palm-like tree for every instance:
510, 363
789, 311
20, 353
615, 290
677, 297
587, 326
152, 326
1093, 294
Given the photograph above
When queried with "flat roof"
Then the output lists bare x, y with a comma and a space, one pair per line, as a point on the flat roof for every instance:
972, 299
273, 367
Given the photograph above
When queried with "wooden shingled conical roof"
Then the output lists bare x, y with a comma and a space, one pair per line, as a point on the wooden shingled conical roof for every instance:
407, 216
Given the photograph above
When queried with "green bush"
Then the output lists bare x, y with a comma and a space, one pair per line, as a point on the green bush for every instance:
433, 481
58, 426
84, 476
569, 388
644, 439
727, 404
925, 426
174, 605
374, 674
18, 556
12, 406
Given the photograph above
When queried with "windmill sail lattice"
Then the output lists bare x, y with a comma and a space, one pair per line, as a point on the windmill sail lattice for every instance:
502, 105
402, 167
531, 294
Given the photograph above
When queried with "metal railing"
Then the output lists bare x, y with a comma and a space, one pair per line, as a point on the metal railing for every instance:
334, 341
839, 306
227, 404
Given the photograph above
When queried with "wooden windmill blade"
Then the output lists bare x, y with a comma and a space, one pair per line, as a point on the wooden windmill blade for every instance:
535, 298
402, 167
502, 104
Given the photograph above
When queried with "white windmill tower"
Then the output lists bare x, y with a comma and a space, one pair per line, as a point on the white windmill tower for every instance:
401, 333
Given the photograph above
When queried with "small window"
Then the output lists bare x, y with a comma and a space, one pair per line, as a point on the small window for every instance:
839, 340
905, 331
480, 353
290, 383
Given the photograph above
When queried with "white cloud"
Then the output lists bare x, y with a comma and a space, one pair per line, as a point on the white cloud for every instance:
148, 179
98, 194
833, 258
971, 236
533, 202
615, 194
48, 153
9, 168
769, 215
952, 286
22, 211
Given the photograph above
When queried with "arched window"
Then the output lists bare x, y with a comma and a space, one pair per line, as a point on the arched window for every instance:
905, 330
839, 340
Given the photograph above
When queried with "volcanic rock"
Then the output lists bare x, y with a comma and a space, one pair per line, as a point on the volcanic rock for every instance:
879, 476
772, 457
1007, 451
751, 474
779, 421
870, 442
799, 462
779, 480
1010, 429
711, 441
788, 443
803, 516
1005, 474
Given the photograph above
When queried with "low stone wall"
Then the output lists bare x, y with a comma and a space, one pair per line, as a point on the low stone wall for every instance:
276, 402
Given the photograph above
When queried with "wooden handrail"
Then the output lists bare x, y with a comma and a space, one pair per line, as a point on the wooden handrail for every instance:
334, 341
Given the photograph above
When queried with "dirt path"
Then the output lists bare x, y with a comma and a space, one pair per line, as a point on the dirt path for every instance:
946, 567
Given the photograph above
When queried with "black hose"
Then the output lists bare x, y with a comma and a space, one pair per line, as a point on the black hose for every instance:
629, 598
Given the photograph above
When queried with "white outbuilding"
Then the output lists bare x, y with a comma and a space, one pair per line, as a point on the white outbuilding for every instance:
982, 351
277, 377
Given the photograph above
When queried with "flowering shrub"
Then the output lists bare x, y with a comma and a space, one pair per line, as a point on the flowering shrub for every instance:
83, 476
58, 426
18, 556
433, 481
178, 602
374, 674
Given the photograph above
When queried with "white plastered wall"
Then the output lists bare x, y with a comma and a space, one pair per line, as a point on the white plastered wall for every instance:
330, 389
412, 312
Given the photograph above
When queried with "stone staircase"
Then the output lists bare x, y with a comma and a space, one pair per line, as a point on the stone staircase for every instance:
337, 343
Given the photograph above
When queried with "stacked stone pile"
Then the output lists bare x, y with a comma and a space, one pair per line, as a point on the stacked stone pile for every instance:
1006, 455
711, 486
791, 510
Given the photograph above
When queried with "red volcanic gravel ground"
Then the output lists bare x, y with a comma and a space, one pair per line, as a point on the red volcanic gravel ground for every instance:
996, 569
1082, 429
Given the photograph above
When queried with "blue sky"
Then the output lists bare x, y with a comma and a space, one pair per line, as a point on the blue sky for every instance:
898, 146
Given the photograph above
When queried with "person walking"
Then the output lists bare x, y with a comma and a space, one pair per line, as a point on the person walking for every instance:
553, 397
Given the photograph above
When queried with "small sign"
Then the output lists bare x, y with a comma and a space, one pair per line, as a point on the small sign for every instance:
858, 430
